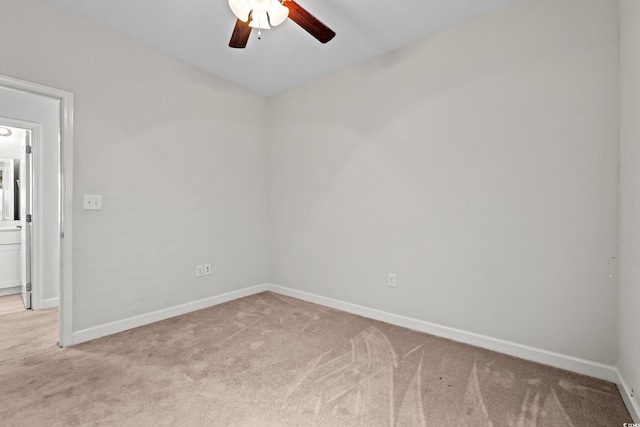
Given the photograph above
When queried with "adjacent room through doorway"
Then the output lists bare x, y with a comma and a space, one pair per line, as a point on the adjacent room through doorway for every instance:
15, 212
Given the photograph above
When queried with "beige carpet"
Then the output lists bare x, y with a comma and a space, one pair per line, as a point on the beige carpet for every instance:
269, 360
24, 332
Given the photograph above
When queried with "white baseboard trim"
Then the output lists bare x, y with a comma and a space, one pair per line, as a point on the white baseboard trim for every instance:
570, 363
10, 291
49, 303
625, 392
155, 316
10, 284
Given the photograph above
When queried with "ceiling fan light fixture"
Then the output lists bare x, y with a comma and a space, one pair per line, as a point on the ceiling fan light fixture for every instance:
277, 13
260, 6
264, 14
259, 20
241, 9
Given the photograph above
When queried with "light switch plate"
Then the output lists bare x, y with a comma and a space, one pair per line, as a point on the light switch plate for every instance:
92, 202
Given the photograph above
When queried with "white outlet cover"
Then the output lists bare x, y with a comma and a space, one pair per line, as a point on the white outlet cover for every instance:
92, 202
391, 280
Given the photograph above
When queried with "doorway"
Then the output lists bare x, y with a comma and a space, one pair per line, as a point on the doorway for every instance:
50, 112
15, 208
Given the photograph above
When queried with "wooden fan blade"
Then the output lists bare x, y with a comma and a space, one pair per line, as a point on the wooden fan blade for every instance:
309, 22
240, 35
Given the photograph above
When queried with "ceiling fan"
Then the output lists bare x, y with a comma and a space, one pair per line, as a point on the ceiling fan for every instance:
263, 14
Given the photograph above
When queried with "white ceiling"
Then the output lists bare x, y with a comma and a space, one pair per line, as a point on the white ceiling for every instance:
197, 32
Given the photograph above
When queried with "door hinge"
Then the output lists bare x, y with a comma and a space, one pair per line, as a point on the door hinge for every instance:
28, 287
28, 217
28, 149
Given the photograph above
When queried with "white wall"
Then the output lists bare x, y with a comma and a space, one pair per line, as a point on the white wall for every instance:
175, 153
479, 165
629, 320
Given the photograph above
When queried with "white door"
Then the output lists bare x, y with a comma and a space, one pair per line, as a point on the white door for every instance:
24, 185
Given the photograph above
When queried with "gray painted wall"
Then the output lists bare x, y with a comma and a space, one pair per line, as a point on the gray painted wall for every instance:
629, 335
479, 165
176, 154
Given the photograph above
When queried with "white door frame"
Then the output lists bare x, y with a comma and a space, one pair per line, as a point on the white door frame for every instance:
65, 224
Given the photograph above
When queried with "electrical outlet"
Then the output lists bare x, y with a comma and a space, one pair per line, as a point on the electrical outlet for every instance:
199, 270
92, 202
207, 269
391, 280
